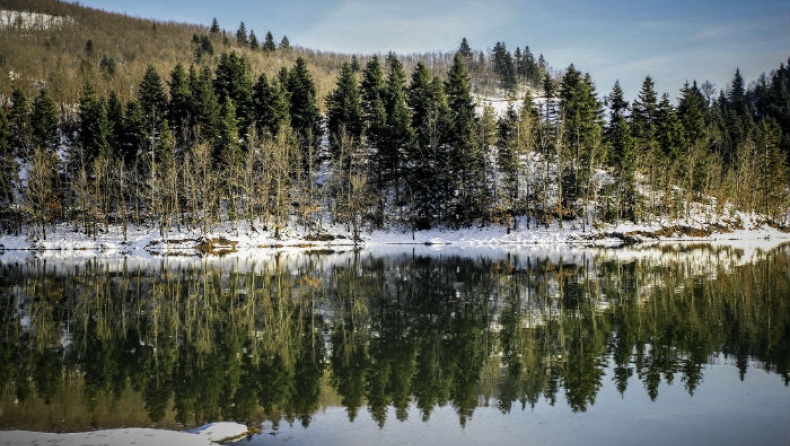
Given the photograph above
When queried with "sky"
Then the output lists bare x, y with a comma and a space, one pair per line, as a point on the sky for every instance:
673, 41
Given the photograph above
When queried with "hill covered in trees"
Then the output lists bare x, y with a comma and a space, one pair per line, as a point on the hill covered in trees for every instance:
108, 119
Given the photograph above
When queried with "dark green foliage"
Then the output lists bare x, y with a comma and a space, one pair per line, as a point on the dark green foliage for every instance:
233, 81
622, 154
133, 139
669, 129
94, 127
467, 163
9, 169
214, 26
241, 35
179, 108
271, 105
45, 121
691, 112
19, 123
268, 43
285, 44
205, 106
305, 117
397, 132
504, 66
153, 100
254, 45
344, 109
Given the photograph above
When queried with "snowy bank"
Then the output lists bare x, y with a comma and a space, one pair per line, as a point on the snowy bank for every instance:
205, 435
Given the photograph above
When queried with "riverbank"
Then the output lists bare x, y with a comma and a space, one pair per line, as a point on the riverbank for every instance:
207, 435
144, 240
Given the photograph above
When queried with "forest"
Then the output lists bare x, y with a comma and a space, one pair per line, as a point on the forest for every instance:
189, 127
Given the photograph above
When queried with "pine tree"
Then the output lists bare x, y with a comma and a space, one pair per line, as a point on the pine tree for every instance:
233, 81
285, 44
271, 105
344, 110
305, 117
254, 45
9, 168
205, 105
623, 158
669, 130
45, 121
180, 106
19, 124
153, 100
691, 112
214, 26
398, 133
227, 150
467, 159
268, 43
94, 128
115, 120
372, 90
241, 35
133, 139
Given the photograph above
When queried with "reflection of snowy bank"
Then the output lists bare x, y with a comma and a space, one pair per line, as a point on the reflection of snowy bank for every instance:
205, 435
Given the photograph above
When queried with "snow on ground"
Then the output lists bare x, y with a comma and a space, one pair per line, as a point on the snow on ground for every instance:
206, 435
145, 242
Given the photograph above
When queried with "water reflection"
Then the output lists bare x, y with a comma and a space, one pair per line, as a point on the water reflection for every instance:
178, 342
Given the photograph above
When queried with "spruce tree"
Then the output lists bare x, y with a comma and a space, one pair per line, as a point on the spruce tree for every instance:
214, 26
180, 106
115, 119
44, 121
669, 130
153, 100
466, 158
398, 133
94, 128
254, 45
241, 35
622, 156
268, 43
133, 139
205, 106
344, 109
305, 117
272, 105
233, 81
372, 90
19, 124
285, 44
9, 168
691, 112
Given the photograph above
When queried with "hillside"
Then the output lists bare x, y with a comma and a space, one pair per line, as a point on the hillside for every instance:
113, 124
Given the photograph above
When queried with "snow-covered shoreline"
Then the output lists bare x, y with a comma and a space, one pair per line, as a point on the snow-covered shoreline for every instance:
143, 241
207, 435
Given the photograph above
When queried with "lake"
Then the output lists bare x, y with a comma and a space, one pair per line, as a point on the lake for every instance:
661, 344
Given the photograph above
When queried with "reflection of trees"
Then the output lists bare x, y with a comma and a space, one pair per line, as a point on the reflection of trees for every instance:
196, 343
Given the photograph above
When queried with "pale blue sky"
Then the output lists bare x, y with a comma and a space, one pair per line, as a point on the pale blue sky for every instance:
671, 40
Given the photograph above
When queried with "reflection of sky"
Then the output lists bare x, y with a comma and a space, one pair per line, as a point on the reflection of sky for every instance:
723, 411
671, 40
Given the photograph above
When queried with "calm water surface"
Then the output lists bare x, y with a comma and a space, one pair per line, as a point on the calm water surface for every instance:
685, 344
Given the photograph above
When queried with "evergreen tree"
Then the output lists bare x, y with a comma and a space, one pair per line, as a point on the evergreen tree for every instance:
19, 124
94, 126
233, 81
180, 106
305, 117
344, 109
285, 44
643, 114
268, 43
467, 159
691, 112
669, 130
373, 90
241, 35
205, 105
115, 119
133, 139
9, 168
214, 26
623, 158
271, 105
227, 149
254, 45
398, 133
45, 121
153, 100
581, 120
